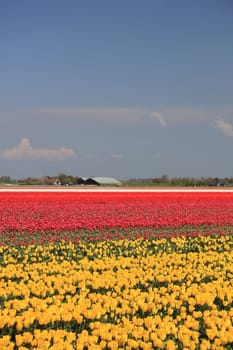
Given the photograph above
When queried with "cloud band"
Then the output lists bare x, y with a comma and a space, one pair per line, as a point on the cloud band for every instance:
25, 151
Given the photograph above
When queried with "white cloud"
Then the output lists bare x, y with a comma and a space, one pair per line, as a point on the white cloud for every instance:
117, 156
159, 117
116, 115
25, 151
119, 115
162, 115
225, 127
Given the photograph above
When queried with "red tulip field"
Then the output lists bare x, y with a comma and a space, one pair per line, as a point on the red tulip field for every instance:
28, 218
116, 270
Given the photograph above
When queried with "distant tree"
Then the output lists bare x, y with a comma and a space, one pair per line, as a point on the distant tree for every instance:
5, 179
67, 179
175, 181
164, 179
30, 181
156, 180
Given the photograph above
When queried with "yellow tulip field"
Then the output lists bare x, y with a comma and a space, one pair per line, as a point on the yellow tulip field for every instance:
170, 291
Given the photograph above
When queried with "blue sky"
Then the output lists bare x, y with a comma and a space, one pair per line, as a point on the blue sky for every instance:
122, 88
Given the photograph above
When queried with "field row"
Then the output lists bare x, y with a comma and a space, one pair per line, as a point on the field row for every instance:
25, 217
157, 294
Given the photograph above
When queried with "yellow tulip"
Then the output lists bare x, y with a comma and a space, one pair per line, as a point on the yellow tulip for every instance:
170, 345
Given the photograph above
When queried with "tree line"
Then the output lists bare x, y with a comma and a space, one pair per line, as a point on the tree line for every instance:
61, 179
164, 180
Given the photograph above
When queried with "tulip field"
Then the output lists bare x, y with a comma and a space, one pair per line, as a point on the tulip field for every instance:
116, 270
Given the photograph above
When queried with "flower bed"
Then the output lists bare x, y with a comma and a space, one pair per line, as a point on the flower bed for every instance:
27, 218
164, 284
141, 294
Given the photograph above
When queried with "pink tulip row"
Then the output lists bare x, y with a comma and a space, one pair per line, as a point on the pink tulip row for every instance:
59, 213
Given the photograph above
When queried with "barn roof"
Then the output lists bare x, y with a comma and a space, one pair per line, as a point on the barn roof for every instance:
105, 180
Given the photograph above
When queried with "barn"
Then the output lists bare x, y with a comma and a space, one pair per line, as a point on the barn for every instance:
101, 181
82, 180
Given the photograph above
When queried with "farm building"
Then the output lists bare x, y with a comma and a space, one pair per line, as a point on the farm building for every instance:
100, 181
82, 180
